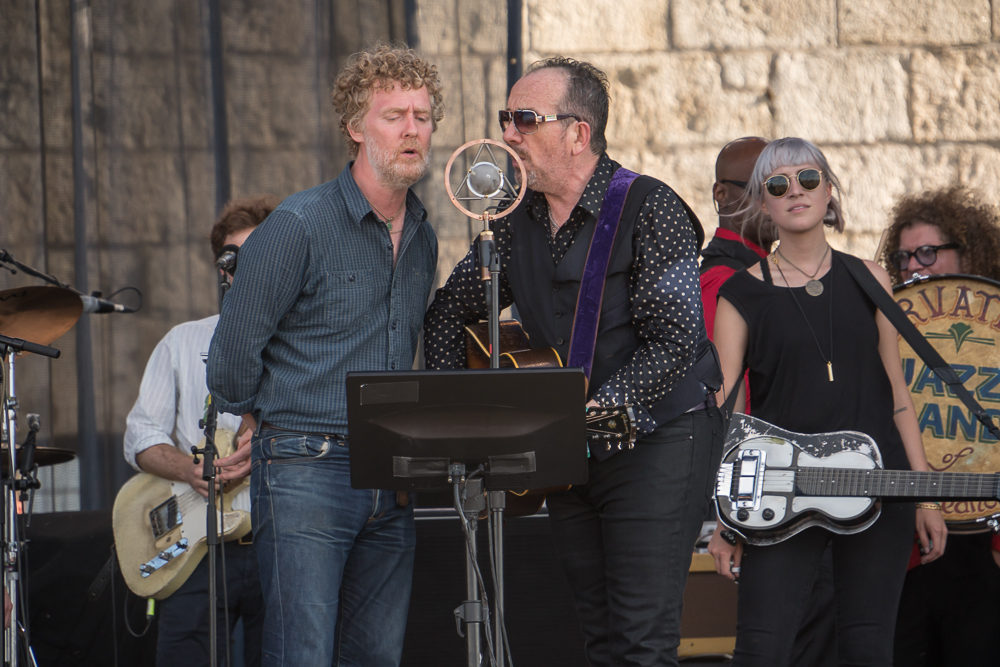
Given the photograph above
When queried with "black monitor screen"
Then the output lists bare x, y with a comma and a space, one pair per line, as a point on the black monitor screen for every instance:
526, 427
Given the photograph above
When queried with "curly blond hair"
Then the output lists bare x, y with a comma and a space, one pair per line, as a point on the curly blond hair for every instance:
382, 68
962, 217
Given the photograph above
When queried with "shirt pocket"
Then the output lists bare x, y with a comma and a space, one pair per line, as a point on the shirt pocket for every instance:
348, 297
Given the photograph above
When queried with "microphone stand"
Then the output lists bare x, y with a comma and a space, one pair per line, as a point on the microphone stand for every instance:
12, 545
484, 187
209, 454
496, 500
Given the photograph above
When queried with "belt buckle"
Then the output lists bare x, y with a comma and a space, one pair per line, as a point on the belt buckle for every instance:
246, 540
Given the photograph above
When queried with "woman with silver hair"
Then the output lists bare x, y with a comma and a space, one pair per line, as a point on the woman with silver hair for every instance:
821, 358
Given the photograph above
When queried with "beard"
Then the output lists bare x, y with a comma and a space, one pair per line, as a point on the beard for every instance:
390, 170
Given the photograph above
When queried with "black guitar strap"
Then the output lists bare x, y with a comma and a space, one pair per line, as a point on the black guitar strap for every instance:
884, 301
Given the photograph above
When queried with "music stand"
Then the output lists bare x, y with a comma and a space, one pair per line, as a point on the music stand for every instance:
425, 429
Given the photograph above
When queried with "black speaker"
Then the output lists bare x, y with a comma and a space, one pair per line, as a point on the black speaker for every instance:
78, 604
541, 622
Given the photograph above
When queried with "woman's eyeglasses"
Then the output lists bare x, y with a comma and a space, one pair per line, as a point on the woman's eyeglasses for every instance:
778, 185
527, 121
925, 254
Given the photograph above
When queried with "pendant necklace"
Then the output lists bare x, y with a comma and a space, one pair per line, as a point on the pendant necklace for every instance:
813, 286
791, 291
387, 219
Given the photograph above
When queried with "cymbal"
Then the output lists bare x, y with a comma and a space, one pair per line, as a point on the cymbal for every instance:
39, 314
44, 456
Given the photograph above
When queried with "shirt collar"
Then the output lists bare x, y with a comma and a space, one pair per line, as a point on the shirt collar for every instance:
729, 235
358, 206
592, 197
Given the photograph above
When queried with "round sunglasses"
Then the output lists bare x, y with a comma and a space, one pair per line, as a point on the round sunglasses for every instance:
778, 185
925, 255
527, 121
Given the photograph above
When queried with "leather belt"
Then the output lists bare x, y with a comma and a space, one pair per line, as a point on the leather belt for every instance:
332, 436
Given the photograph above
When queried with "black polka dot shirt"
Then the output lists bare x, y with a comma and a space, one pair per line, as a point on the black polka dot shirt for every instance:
666, 297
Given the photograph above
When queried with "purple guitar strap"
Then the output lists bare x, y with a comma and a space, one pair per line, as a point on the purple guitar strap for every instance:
588, 304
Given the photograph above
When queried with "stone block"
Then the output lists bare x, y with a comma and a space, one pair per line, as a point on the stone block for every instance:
678, 99
21, 199
276, 171
135, 28
746, 70
273, 102
19, 104
597, 26
928, 23
857, 96
20, 29
771, 24
955, 93
690, 172
141, 199
873, 179
979, 168
272, 28
437, 28
136, 104
483, 30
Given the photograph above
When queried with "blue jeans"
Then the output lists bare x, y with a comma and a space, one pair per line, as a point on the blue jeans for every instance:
336, 563
625, 540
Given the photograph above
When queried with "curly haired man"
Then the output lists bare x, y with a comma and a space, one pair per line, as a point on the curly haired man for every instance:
335, 281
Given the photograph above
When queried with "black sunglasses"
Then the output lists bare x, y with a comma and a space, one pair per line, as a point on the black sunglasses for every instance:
778, 185
527, 121
925, 254
742, 185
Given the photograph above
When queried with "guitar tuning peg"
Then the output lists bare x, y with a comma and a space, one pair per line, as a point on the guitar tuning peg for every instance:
608, 447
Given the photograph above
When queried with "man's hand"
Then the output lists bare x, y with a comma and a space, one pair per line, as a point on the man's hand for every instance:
236, 466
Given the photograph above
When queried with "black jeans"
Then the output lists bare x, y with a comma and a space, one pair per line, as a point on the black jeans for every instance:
868, 569
626, 537
182, 624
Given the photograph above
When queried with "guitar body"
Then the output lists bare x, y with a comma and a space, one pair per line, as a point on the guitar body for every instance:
159, 528
779, 510
774, 483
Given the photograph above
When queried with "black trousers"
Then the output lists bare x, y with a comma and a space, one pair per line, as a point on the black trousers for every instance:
949, 615
868, 569
625, 540
182, 622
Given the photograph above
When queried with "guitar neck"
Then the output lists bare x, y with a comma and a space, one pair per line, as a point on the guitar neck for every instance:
897, 483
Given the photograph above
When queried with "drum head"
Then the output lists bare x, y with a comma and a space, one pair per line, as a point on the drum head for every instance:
960, 316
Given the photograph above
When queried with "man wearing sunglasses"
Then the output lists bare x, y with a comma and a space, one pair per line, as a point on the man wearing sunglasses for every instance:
625, 538
948, 613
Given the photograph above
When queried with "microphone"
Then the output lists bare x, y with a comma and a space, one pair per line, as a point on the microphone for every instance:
95, 304
485, 180
227, 259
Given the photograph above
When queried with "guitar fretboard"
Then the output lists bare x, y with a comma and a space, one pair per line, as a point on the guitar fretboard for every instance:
896, 483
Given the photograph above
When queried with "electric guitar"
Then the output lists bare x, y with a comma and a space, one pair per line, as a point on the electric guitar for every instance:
774, 483
607, 428
159, 527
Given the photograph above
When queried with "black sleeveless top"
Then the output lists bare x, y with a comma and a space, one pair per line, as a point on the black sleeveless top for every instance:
788, 374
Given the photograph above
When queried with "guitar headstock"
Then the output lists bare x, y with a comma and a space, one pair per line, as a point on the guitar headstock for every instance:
611, 428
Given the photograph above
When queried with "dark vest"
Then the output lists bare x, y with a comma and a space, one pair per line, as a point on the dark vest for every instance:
546, 293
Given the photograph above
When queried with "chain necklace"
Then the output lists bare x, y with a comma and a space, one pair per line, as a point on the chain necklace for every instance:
791, 291
813, 286
387, 219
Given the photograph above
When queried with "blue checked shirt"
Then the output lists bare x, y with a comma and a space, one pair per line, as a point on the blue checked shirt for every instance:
315, 297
